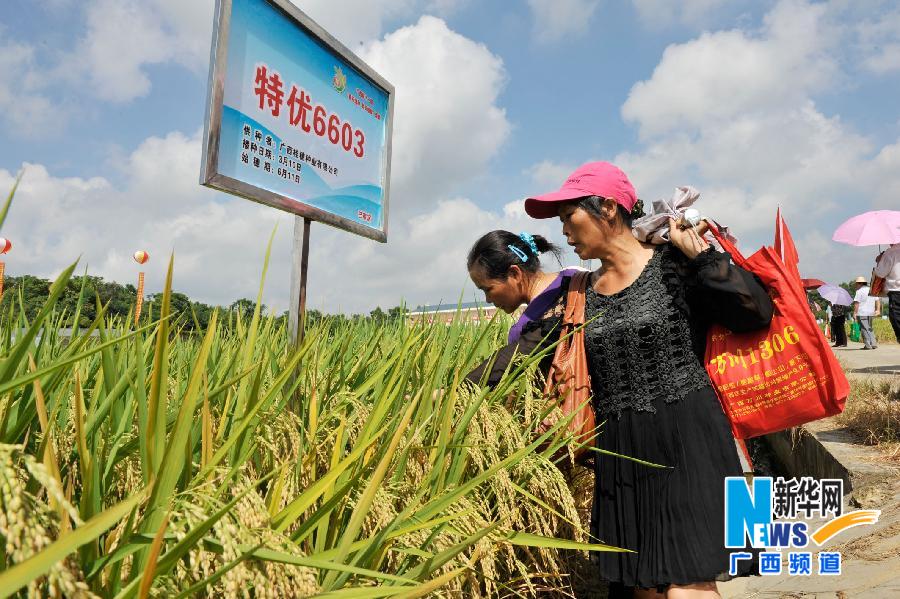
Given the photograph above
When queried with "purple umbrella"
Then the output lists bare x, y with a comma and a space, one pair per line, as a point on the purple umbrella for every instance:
879, 227
835, 295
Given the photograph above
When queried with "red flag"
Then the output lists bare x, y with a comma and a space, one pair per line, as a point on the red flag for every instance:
784, 245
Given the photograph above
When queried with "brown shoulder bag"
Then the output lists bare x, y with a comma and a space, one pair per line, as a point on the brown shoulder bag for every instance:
568, 380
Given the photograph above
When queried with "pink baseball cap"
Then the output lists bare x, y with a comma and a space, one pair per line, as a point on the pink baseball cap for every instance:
592, 179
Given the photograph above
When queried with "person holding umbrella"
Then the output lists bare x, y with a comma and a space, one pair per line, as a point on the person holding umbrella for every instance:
879, 227
888, 267
840, 307
865, 307
838, 324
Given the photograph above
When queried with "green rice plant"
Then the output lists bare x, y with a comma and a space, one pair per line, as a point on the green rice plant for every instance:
229, 462
884, 333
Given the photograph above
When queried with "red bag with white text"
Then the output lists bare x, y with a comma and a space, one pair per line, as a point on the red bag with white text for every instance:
783, 376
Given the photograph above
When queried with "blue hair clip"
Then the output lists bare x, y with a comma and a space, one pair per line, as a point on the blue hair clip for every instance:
522, 255
529, 239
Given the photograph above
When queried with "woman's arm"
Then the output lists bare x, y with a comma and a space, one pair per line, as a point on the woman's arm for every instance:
497, 364
727, 294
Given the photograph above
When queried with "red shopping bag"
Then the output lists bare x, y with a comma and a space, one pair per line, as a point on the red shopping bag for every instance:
783, 376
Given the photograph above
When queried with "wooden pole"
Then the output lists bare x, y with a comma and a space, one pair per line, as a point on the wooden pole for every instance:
297, 314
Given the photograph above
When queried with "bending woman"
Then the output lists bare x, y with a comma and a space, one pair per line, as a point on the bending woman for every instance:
645, 355
507, 268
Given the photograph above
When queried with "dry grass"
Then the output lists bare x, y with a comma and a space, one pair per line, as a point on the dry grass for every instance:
873, 412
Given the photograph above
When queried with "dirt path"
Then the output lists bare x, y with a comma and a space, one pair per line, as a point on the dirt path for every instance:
884, 361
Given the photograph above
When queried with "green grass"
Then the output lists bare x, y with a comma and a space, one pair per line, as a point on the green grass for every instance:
154, 462
884, 333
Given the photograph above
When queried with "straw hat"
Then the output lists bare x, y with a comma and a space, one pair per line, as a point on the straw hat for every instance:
861, 280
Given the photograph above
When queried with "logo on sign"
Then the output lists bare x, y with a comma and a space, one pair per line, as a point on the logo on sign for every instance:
339, 81
772, 516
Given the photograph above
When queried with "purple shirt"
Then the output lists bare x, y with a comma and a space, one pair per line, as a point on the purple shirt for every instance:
540, 304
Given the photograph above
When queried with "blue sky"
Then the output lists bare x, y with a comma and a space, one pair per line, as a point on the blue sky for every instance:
756, 104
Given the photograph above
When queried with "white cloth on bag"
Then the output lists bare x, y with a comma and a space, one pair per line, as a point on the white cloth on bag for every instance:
654, 228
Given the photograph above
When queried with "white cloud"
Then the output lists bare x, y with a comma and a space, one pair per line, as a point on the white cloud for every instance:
124, 37
887, 59
879, 40
355, 22
449, 126
721, 74
219, 241
558, 19
448, 123
661, 13
24, 106
734, 108
884, 172
445, 7
424, 261
734, 114
548, 174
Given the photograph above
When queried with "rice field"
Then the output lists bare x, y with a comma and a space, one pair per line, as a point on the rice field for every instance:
884, 333
153, 461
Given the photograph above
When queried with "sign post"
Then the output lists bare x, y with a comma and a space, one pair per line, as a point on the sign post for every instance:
300, 264
298, 122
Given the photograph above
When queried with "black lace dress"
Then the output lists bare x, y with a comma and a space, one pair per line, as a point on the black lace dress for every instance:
656, 403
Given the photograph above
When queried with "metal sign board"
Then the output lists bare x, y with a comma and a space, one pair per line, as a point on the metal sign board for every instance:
295, 120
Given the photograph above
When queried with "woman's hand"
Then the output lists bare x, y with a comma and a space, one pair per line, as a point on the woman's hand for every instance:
689, 241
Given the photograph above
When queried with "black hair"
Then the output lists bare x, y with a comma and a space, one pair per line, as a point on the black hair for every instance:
493, 253
592, 204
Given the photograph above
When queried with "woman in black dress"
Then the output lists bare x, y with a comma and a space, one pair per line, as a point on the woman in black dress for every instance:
653, 305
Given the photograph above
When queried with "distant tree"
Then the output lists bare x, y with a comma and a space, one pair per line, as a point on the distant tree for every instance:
245, 307
32, 290
180, 306
202, 312
120, 300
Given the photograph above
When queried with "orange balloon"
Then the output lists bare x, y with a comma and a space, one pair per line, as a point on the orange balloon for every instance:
141, 256
5, 245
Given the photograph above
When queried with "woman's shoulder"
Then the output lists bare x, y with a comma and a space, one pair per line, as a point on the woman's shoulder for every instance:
671, 254
554, 311
549, 320
670, 261
673, 259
